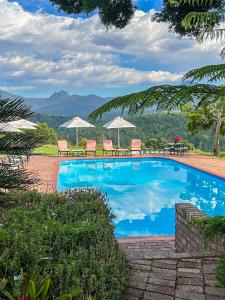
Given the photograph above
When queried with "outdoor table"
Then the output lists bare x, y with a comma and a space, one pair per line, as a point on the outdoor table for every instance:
120, 150
77, 152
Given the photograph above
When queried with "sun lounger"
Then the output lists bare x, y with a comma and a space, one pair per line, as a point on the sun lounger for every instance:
136, 146
63, 148
90, 147
108, 147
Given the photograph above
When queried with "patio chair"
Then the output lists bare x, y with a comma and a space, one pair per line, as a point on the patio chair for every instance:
108, 147
136, 146
90, 147
63, 147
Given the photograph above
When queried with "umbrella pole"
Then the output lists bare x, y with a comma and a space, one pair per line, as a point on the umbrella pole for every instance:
77, 136
118, 138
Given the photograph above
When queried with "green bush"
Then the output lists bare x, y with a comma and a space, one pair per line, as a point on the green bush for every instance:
49, 135
67, 236
212, 227
156, 143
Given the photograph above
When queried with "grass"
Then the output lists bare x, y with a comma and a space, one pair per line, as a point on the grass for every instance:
52, 150
49, 150
46, 150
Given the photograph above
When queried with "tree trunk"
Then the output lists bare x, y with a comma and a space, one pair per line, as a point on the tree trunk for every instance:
216, 146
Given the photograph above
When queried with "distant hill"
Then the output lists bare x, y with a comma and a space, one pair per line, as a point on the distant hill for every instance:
62, 103
6, 95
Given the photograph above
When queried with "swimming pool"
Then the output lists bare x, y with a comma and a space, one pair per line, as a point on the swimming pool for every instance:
142, 192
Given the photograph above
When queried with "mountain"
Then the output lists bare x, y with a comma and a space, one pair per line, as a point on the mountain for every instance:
6, 95
62, 103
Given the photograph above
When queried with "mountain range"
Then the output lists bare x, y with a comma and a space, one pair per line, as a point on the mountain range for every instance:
62, 103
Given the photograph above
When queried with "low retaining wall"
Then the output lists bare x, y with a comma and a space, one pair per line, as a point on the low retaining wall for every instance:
190, 238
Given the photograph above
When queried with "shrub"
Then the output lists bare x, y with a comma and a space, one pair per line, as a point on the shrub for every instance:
67, 236
212, 227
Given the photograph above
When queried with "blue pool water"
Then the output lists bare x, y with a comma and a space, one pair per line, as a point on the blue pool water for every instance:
142, 192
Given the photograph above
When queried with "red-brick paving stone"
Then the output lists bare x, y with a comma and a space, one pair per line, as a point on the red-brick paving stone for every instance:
156, 271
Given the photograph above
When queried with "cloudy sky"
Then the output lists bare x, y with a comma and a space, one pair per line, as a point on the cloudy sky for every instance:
42, 51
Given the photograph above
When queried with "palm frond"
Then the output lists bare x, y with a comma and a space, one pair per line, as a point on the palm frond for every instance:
18, 144
11, 110
164, 97
15, 178
210, 73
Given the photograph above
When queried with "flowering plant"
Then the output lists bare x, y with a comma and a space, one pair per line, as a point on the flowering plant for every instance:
177, 138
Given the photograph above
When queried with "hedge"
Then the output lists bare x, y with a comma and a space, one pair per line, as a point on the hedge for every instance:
68, 236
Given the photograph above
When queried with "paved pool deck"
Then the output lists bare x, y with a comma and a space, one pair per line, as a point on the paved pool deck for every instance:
156, 271
46, 167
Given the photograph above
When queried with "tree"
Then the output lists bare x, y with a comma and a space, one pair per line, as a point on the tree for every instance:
205, 116
166, 97
44, 133
14, 144
202, 19
175, 13
117, 13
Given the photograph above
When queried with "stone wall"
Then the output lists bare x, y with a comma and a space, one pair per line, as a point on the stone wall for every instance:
190, 238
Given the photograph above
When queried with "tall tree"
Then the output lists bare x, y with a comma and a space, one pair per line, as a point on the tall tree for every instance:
15, 144
117, 13
168, 98
180, 16
202, 19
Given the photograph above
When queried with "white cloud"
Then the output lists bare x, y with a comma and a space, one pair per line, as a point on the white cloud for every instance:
42, 50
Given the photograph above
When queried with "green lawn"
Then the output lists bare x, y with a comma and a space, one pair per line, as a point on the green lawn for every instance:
52, 150
46, 150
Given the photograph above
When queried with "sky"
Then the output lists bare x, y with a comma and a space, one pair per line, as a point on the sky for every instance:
43, 51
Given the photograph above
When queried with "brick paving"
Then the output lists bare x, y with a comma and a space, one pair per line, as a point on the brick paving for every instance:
156, 271
46, 167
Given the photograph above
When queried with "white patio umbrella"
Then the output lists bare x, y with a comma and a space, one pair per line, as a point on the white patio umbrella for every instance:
6, 127
77, 123
23, 124
119, 123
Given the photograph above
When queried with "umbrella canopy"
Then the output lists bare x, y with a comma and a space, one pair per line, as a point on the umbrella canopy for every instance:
77, 122
23, 124
6, 127
118, 123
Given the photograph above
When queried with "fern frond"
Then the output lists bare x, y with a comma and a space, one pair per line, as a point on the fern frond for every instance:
210, 73
193, 2
222, 53
164, 97
202, 19
213, 34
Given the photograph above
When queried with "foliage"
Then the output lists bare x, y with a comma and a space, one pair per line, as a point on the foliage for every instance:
177, 14
220, 271
43, 132
12, 144
210, 72
156, 143
83, 143
33, 288
156, 125
212, 227
69, 236
166, 97
115, 13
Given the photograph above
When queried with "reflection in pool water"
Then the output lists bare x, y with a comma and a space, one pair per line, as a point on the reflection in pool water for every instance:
142, 192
